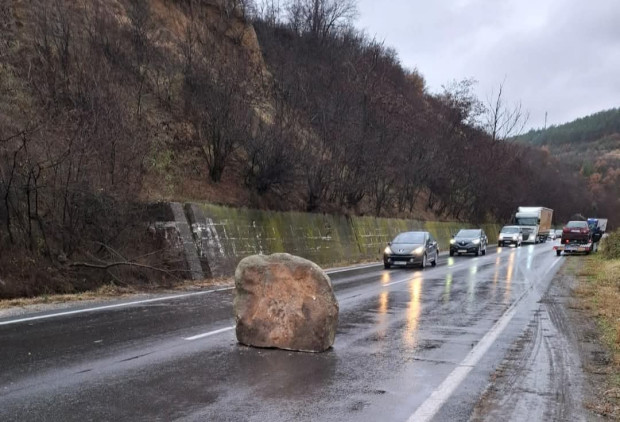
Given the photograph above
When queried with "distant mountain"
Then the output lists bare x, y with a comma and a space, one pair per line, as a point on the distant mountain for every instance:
582, 142
595, 127
590, 145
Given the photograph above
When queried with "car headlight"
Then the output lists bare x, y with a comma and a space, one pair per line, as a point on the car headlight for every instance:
387, 251
514, 237
418, 251
476, 241
452, 241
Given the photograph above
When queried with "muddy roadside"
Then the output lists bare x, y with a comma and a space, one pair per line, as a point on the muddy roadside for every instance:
561, 368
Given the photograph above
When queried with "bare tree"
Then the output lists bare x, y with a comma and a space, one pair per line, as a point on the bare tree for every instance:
501, 121
216, 98
269, 11
320, 18
271, 153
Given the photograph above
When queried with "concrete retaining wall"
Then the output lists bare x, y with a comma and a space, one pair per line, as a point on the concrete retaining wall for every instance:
223, 235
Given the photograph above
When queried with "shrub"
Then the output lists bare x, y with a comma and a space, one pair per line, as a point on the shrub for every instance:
610, 246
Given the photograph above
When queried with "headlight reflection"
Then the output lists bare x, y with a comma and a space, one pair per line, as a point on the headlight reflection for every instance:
447, 288
385, 278
509, 273
413, 311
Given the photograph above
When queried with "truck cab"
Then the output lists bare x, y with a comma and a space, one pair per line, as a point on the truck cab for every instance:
535, 223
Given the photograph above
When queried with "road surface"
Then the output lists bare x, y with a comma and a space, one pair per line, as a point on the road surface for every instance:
411, 345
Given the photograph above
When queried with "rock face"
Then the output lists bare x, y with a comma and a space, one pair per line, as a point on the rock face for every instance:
286, 302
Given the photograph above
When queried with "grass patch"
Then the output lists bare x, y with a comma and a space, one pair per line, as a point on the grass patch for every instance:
599, 292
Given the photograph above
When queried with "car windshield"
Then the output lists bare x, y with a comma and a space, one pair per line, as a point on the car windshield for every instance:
527, 221
577, 224
468, 233
510, 230
410, 237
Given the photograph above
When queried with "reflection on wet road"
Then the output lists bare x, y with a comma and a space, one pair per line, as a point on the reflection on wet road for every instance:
402, 332
413, 310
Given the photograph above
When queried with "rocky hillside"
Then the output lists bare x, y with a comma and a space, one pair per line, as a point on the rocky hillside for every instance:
107, 106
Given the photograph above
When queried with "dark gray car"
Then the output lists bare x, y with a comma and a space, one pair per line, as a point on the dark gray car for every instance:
469, 241
411, 248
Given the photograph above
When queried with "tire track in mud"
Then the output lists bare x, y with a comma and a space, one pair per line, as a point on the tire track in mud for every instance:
540, 378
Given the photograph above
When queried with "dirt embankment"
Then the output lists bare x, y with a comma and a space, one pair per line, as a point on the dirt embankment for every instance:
565, 365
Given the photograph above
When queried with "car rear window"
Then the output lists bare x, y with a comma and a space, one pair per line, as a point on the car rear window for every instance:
577, 224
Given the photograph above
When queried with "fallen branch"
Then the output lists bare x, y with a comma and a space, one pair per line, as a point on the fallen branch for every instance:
109, 265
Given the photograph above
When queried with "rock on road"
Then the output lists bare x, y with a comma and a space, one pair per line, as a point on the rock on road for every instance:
411, 345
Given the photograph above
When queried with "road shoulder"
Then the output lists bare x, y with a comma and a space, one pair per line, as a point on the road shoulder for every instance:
557, 369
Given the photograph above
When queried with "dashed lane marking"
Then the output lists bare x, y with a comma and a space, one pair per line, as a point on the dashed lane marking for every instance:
210, 333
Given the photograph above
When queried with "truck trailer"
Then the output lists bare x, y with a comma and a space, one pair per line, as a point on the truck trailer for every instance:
535, 223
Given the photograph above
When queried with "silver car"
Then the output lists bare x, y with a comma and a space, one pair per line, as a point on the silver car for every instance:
510, 235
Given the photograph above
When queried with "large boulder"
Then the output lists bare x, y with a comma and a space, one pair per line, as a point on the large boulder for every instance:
286, 302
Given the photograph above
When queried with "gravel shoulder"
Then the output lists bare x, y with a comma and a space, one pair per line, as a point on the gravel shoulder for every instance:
557, 369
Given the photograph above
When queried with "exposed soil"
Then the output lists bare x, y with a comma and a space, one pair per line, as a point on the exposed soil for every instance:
558, 369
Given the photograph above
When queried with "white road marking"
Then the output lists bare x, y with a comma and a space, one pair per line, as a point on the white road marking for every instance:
117, 305
210, 333
352, 268
438, 398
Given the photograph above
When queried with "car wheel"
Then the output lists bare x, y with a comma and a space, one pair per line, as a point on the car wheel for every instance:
423, 264
558, 252
386, 266
434, 263
478, 251
484, 251
451, 253
499, 244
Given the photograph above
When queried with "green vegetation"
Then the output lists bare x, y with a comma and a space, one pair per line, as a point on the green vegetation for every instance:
598, 126
599, 292
610, 246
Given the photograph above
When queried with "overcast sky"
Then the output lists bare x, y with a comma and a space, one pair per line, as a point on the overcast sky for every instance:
556, 56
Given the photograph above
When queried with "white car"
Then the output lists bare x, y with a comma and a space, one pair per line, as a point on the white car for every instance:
510, 235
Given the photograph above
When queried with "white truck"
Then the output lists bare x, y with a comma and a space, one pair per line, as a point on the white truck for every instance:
535, 223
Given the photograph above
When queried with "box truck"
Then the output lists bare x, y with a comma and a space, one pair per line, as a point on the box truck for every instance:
535, 222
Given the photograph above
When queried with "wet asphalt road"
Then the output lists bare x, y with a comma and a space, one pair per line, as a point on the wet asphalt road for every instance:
411, 345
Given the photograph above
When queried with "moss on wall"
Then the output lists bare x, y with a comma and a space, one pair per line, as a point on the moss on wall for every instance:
226, 235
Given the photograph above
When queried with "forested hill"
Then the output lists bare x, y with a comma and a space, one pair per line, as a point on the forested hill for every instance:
590, 146
601, 126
